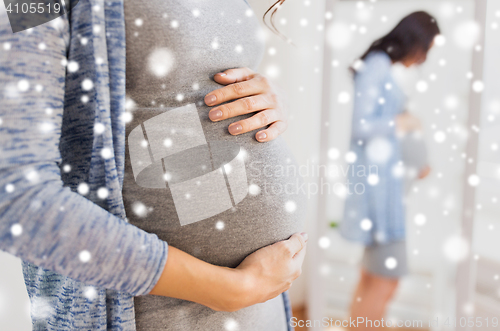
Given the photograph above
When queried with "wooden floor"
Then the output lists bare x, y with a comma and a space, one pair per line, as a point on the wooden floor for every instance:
301, 314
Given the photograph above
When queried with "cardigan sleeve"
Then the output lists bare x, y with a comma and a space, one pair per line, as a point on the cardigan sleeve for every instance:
41, 220
369, 82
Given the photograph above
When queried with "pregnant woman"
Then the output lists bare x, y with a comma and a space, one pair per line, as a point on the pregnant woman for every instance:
375, 215
205, 189
62, 152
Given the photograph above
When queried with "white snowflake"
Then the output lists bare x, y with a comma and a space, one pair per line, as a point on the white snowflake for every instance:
466, 34
439, 40
324, 242
41, 308
83, 188
357, 65
102, 193
231, 325
73, 66
290, 206
32, 176
272, 71
474, 180
439, 136
160, 62
253, 189
23, 85
379, 150
373, 179
167, 142
478, 86
420, 219
106, 153
99, 128
87, 84
219, 225
339, 35
366, 224
16, 229
422, 86
90, 293
139, 209
9, 188
84, 256
343, 97
391, 263
333, 153
350, 157
167, 176
455, 248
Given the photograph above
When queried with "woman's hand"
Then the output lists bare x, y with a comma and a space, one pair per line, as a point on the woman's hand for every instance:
424, 172
253, 93
406, 122
271, 270
261, 276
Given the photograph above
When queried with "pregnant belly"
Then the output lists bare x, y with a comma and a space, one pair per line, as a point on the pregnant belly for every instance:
234, 210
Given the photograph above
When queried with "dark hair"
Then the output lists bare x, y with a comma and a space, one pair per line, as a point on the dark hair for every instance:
414, 33
272, 27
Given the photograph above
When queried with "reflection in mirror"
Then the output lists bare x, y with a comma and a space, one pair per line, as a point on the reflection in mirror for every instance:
433, 270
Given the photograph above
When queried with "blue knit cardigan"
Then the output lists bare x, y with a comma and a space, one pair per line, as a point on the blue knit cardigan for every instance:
62, 96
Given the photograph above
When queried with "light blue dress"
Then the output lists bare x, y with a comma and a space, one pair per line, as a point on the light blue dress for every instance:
374, 210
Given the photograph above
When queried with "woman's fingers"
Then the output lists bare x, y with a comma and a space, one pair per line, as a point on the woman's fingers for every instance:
298, 259
243, 106
250, 85
231, 76
296, 243
272, 132
259, 120
253, 92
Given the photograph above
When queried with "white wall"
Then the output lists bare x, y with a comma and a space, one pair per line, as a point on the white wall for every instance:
300, 74
14, 302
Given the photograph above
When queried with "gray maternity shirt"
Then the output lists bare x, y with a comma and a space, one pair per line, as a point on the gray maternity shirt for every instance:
215, 196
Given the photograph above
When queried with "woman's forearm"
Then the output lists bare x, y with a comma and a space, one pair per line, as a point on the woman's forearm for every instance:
41, 220
261, 276
186, 277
